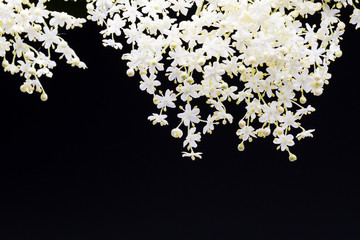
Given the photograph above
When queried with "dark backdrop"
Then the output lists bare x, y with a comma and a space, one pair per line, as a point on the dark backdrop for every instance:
87, 164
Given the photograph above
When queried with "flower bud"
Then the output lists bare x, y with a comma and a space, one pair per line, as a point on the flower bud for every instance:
130, 72
90, 7
252, 60
318, 91
43, 96
32, 70
292, 157
176, 133
242, 123
320, 82
277, 131
242, 69
26, 87
5, 63
302, 100
317, 76
280, 109
184, 75
266, 132
338, 53
341, 25
284, 50
241, 147
190, 80
201, 61
29, 55
156, 101
23, 88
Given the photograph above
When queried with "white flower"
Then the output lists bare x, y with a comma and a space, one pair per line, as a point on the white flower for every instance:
209, 127
59, 19
355, 18
65, 50
213, 72
305, 133
329, 15
253, 108
192, 155
158, 118
167, 100
188, 90
284, 141
304, 111
19, 47
49, 37
289, 120
174, 73
271, 113
4, 46
192, 138
189, 115
149, 83
246, 132
112, 43
114, 26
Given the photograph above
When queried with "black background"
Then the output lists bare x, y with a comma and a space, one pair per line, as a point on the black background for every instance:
87, 164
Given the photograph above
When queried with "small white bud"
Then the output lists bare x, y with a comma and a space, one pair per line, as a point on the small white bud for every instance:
184, 75
23, 88
241, 147
284, 50
5, 63
242, 69
302, 100
130, 72
338, 53
252, 60
294, 14
266, 132
317, 76
176, 133
320, 82
280, 109
292, 157
32, 70
190, 80
341, 25
43, 96
242, 123
201, 61
318, 91
90, 7
156, 101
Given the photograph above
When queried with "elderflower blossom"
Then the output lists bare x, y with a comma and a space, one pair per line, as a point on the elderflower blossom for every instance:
261, 56
264, 55
28, 34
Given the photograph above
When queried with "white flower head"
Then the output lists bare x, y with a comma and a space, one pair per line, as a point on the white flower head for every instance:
190, 115
285, 141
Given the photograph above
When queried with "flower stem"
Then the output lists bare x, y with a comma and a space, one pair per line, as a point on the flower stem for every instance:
198, 10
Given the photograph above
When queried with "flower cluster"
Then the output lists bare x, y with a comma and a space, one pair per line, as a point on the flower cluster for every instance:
264, 54
28, 34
